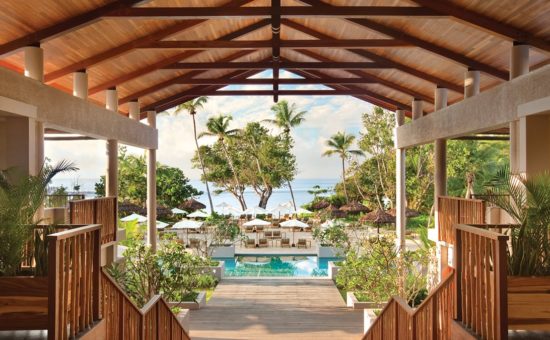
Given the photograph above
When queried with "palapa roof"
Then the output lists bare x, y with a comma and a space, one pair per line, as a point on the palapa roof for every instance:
165, 52
408, 212
354, 207
192, 205
378, 217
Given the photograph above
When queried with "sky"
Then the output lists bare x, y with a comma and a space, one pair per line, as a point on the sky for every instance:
325, 116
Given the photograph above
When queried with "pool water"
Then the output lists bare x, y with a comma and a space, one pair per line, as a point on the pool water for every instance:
276, 266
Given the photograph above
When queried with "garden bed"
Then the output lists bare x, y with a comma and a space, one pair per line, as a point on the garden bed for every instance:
353, 302
216, 269
23, 303
529, 303
332, 270
198, 303
329, 251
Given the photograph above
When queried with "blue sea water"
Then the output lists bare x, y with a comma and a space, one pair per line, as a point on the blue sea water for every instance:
280, 195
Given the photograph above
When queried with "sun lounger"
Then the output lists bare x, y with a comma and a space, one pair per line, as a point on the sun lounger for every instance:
259, 228
263, 243
250, 243
268, 234
285, 243
303, 243
249, 229
276, 234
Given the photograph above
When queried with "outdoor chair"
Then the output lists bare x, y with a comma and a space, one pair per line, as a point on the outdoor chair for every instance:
285, 243
308, 229
263, 243
303, 243
259, 228
276, 234
268, 234
249, 229
250, 243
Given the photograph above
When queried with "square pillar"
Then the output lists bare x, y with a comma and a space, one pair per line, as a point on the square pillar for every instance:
400, 192
80, 84
152, 198
519, 65
133, 110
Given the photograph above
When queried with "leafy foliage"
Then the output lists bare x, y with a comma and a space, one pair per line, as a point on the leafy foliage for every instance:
334, 236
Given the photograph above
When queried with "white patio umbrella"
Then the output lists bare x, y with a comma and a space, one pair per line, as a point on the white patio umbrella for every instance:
281, 209
161, 225
198, 214
178, 211
255, 211
327, 224
293, 224
134, 217
187, 224
256, 223
302, 211
227, 209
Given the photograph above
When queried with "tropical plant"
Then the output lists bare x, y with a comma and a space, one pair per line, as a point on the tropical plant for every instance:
191, 107
526, 200
316, 191
218, 126
287, 117
340, 144
21, 196
333, 236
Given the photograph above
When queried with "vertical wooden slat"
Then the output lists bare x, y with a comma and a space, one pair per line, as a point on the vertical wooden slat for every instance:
501, 299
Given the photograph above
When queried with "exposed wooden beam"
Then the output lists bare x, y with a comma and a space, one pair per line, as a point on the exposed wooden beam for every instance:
481, 21
281, 92
380, 59
424, 44
256, 44
131, 45
282, 81
268, 65
177, 80
276, 45
373, 78
174, 59
66, 26
173, 13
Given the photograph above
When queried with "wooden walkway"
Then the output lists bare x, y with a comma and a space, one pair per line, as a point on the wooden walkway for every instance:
285, 309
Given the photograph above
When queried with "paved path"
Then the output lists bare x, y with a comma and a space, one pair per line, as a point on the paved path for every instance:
276, 309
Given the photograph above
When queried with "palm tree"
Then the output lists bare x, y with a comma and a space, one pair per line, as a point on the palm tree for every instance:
191, 107
286, 118
340, 144
219, 127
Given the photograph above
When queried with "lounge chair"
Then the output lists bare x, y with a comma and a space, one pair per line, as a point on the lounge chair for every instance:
303, 243
263, 243
308, 229
268, 234
250, 243
285, 243
276, 234
259, 228
249, 229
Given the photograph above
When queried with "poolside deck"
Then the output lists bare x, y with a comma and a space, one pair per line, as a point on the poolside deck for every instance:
276, 309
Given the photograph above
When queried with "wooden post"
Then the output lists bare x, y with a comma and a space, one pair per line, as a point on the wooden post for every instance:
53, 289
501, 288
458, 273
96, 267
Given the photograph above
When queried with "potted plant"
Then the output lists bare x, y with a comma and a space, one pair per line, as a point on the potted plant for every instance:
527, 201
23, 255
223, 235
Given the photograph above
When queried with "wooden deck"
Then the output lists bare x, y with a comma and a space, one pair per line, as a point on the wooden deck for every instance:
276, 309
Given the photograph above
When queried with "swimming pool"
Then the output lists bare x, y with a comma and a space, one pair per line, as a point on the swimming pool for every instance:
276, 266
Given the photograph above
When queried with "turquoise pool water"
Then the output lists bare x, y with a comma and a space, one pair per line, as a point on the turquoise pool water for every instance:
276, 266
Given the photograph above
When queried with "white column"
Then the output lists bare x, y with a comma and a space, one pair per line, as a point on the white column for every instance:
34, 63
471, 83
152, 198
133, 110
519, 65
111, 178
400, 193
111, 99
80, 84
152, 119
416, 109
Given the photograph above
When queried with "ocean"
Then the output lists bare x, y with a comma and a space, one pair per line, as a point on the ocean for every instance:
280, 195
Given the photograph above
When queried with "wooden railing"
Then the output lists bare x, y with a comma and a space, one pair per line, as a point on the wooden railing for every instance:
101, 210
61, 201
431, 320
481, 281
124, 320
453, 210
73, 275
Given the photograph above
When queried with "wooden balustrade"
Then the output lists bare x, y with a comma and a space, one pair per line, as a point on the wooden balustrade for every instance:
453, 210
61, 200
102, 210
431, 320
124, 320
481, 281
73, 287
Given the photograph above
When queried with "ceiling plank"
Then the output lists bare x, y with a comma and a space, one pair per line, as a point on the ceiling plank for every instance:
268, 65
131, 45
380, 59
276, 45
173, 13
174, 59
481, 21
65, 26
426, 45
282, 81
255, 44
281, 92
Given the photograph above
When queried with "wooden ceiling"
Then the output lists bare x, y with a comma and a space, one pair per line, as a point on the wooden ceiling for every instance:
164, 52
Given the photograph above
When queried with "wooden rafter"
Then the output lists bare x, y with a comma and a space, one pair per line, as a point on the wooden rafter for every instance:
276, 45
266, 12
174, 59
489, 24
131, 45
256, 44
380, 59
268, 65
66, 26
426, 45
281, 92
282, 81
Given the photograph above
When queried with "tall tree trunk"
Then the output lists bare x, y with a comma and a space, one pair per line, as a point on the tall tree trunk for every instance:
344, 179
239, 187
264, 198
202, 165
291, 194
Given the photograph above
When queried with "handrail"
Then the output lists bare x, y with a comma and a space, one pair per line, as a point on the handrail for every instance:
430, 320
480, 232
452, 210
73, 232
100, 210
462, 199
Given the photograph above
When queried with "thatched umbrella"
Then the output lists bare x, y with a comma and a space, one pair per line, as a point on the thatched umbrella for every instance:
354, 208
192, 205
408, 212
378, 217
127, 208
320, 205
335, 212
